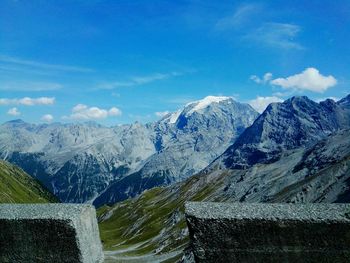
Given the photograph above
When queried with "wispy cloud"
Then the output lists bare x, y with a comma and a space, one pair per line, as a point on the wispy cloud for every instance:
44, 66
251, 22
265, 79
30, 86
140, 80
7, 68
310, 79
27, 101
277, 35
13, 112
239, 17
83, 112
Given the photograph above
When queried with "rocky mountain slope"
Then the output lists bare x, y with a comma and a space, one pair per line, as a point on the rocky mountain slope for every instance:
75, 161
153, 224
79, 162
18, 187
297, 122
187, 141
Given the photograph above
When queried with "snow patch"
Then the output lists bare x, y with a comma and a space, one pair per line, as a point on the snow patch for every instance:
202, 104
197, 106
173, 117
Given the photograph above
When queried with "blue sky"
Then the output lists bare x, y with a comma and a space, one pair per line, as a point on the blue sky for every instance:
123, 61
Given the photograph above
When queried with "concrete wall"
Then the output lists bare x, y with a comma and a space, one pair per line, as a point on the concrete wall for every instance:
49, 233
243, 232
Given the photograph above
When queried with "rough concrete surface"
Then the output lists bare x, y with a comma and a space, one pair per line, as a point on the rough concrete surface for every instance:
243, 232
49, 233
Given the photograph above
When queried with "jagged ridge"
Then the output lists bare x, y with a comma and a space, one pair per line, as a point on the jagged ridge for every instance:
296, 122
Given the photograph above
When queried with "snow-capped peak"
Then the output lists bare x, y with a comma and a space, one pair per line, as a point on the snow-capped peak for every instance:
196, 106
202, 104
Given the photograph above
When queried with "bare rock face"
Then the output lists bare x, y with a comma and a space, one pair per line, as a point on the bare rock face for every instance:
49, 233
242, 232
297, 122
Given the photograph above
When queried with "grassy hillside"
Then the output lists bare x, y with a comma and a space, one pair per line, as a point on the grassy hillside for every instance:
18, 187
152, 227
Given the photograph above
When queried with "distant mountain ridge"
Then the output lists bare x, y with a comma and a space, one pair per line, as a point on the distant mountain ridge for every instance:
92, 163
79, 162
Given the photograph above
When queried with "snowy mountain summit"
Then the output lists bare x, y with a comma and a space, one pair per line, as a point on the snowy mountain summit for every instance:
195, 106
200, 105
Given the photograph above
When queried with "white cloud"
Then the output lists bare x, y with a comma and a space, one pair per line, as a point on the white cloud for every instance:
14, 112
114, 112
267, 77
141, 80
310, 79
241, 15
83, 112
260, 103
161, 113
255, 78
27, 101
47, 118
277, 35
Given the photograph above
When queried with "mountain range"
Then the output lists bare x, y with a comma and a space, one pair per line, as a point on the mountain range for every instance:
215, 149
87, 162
91, 163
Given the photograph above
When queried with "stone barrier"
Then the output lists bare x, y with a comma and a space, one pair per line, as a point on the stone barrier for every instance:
49, 233
243, 232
